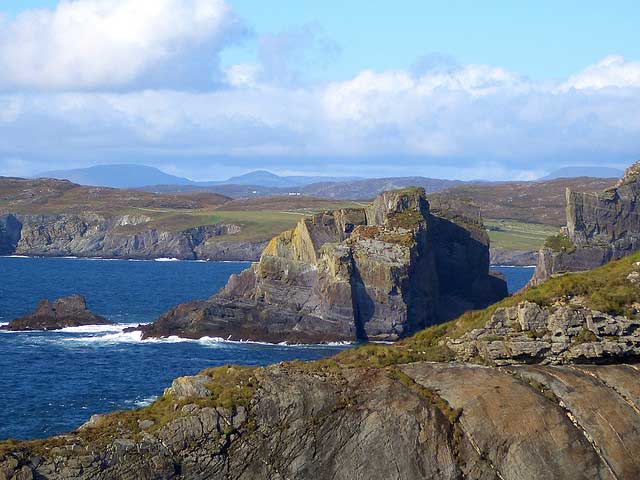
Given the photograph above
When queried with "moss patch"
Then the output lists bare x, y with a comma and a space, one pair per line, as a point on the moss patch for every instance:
560, 243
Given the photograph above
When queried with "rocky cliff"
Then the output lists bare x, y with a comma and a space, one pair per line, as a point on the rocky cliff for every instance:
412, 410
379, 273
95, 235
600, 227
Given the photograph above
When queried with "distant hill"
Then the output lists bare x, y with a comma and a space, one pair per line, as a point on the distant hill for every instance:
369, 188
575, 172
117, 176
138, 176
263, 178
340, 190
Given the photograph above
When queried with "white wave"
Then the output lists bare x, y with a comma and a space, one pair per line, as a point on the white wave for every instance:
145, 402
163, 259
113, 328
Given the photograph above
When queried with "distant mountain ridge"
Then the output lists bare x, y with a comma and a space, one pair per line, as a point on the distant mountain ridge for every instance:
575, 172
139, 176
116, 176
262, 183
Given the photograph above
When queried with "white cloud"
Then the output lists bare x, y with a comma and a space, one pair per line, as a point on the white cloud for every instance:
87, 44
473, 121
611, 71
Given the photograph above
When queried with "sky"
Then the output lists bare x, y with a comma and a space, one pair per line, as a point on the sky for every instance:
212, 88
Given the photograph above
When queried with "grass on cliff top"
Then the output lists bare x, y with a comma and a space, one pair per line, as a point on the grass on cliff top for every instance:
605, 289
515, 235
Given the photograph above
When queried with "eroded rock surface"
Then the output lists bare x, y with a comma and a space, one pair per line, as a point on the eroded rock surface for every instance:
64, 312
379, 273
124, 236
417, 421
600, 227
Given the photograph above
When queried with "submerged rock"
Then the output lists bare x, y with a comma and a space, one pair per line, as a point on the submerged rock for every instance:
62, 313
377, 273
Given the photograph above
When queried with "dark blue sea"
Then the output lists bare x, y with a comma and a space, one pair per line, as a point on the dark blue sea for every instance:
54, 381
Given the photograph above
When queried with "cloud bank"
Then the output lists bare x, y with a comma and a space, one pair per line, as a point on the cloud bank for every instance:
138, 80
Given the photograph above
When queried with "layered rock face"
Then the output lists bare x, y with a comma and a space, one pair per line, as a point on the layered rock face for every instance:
416, 421
64, 312
378, 273
93, 235
560, 334
600, 227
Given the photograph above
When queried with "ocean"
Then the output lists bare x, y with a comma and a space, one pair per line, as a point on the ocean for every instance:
52, 382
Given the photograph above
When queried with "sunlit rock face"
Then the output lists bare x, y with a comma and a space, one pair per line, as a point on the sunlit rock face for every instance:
376, 273
600, 227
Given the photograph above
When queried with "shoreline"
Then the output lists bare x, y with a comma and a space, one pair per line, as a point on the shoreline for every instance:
110, 259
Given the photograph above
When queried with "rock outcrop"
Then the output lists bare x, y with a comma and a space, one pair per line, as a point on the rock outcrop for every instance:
379, 273
64, 312
94, 235
516, 258
558, 334
415, 421
600, 227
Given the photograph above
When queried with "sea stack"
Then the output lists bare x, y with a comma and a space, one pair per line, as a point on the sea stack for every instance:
62, 313
600, 227
377, 273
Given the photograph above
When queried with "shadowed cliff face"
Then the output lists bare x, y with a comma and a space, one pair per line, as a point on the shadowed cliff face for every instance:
10, 230
379, 273
600, 227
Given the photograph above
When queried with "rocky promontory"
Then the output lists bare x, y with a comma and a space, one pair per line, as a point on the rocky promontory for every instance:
428, 407
120, 236
600, 227
376, 273
64, 312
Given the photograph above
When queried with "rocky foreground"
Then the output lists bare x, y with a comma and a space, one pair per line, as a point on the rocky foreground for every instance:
543, 385
64, 312
376, 273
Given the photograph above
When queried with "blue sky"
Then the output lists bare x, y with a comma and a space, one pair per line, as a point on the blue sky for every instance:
207, 88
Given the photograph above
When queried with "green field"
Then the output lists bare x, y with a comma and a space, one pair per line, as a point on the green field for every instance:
514, 235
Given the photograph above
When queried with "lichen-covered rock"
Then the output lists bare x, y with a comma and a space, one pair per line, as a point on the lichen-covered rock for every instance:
64, 312
562, 333
379, 273
600, 227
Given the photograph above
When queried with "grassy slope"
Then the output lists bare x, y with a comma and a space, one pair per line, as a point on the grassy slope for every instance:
516, 235
606, 289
